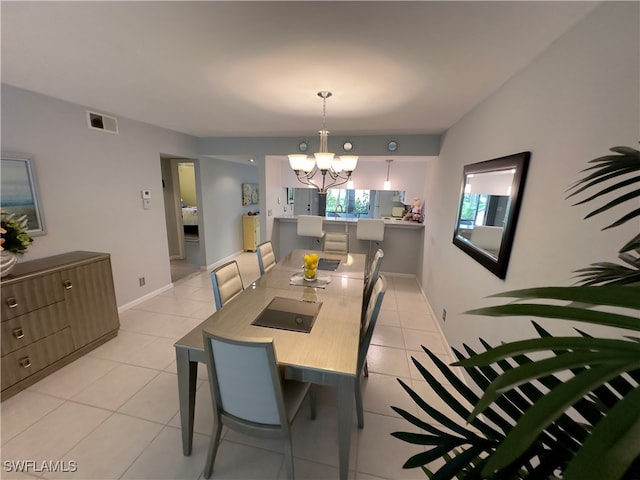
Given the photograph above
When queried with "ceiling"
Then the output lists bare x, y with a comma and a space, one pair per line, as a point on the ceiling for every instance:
254, 68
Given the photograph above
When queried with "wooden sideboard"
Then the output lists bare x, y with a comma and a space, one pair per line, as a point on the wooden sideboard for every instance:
54, 310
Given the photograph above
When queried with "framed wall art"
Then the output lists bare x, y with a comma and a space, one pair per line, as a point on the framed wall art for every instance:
19, 191
250, 195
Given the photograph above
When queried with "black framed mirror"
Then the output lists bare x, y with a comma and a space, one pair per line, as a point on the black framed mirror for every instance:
490, 198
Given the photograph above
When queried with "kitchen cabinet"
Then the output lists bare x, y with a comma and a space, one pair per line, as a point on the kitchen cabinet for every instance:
54, 310
250, 232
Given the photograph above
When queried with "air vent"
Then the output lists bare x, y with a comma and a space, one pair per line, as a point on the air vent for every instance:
104, 123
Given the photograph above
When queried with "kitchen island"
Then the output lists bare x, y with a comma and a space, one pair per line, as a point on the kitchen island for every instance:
403, 242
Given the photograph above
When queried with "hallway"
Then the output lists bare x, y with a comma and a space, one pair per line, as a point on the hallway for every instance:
181, 268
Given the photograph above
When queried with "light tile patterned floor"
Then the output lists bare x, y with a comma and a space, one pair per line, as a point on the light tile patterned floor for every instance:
114, 412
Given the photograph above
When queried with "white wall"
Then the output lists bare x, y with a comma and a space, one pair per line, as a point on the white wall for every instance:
220, 201
275, 193
90, 184
569, 106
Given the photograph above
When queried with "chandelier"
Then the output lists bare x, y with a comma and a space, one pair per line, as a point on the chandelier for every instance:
334, 170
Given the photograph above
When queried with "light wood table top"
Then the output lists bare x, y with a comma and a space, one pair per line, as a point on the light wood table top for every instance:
352, 265
331, 345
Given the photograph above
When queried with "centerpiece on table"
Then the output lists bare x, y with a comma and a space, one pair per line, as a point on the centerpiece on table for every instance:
310, 266
14, 240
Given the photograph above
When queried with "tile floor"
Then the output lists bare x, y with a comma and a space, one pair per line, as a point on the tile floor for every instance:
114, 413
181, 268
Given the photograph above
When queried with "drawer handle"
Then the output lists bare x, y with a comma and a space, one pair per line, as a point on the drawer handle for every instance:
68, 285
18, 332
12, 302
24, 362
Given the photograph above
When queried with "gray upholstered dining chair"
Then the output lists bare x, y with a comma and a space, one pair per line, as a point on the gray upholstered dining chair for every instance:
249, 394
266, 257
369, 282
370, 279
371, 317
335, 242
227, 283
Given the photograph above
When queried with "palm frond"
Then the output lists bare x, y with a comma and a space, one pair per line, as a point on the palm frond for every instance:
607, 273
544, 412
555, 446
610, 189
561, 312
614, 203
633, 244
613, 445
626, 162
570, 344
613, 296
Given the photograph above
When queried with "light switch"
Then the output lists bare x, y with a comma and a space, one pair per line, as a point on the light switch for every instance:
145, 193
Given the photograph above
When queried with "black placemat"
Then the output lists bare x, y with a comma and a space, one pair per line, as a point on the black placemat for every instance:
327, 264
289, 314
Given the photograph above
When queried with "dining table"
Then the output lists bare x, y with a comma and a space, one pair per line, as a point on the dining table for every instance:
325, 355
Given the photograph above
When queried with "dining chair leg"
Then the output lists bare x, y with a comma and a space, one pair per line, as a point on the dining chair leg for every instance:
359, 408
313, 399
214, 443
288, 458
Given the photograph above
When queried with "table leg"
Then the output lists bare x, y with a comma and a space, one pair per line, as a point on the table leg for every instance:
187, 377
346, 386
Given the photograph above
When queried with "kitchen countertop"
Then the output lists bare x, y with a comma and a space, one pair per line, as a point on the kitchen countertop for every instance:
389, 221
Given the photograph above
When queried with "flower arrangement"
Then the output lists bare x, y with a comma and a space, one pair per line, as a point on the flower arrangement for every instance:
14, 234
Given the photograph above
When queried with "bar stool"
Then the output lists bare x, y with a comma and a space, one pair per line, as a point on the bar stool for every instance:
371, 229
311, 226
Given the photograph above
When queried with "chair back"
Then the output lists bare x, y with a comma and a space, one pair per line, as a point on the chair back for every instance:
336, 242
372, 276
227, 283
370, 229
244, 379
310, 226
370, 318
266, 257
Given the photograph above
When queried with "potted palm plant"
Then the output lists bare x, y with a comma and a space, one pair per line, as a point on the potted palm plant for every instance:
553, 407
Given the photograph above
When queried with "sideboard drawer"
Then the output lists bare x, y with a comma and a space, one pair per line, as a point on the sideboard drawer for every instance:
28, 360
20, 331
26, 296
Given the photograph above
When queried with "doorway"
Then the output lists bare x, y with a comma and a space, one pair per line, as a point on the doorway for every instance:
182, 216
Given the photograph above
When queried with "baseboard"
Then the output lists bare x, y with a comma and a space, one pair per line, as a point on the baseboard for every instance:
144, 298
447, 346
224, 260
157, 292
